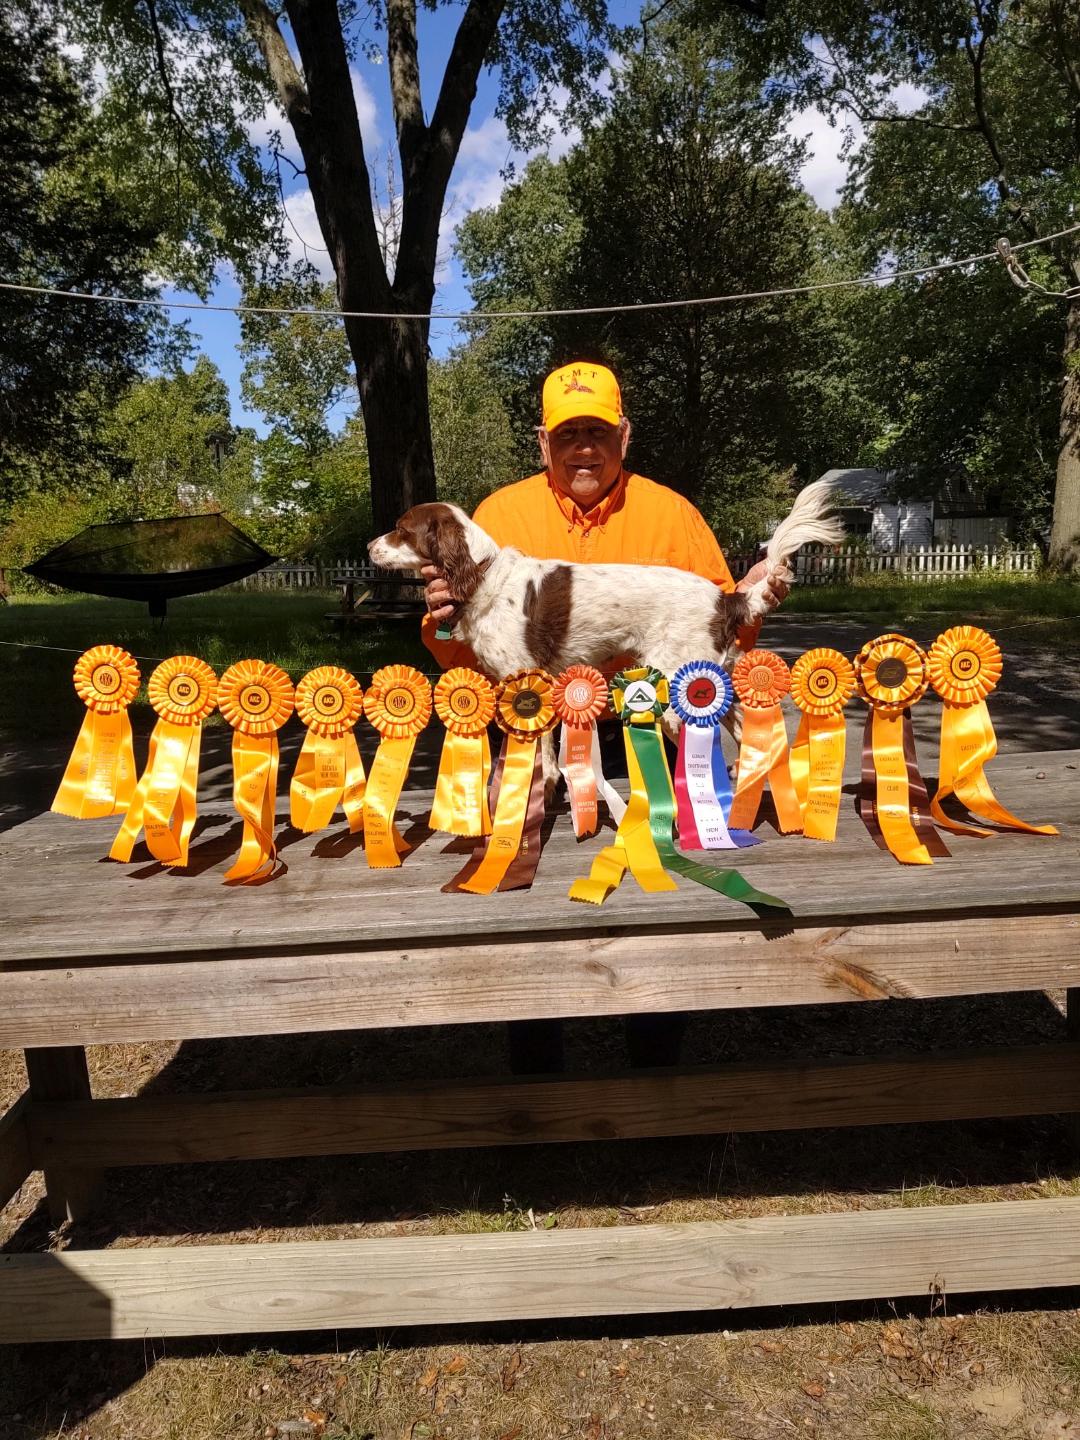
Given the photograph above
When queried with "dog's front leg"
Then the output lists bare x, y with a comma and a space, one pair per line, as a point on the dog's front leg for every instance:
552, 773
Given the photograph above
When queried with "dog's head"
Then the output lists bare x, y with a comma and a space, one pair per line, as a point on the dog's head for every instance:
438, 535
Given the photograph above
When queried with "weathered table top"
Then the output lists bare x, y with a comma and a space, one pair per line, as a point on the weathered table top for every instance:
63, 903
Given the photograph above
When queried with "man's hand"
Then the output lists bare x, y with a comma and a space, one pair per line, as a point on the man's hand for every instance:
776, 590
440, 603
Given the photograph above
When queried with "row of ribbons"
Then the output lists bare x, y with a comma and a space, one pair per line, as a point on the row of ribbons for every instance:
696, 809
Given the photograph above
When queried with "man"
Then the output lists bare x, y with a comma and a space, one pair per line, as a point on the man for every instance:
586, 507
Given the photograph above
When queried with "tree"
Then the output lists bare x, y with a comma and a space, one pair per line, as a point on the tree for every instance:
473, 441
68, 222
993, 147
301, 55
719, 397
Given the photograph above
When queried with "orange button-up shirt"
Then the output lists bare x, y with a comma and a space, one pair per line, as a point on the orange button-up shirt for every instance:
636, 523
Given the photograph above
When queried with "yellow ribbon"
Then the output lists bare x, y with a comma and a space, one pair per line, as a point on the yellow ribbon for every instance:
465, 703
329, 771
525, 712
99, 778
398, 704
761, 679
965, 666
256, 699
183, 692
822, 682
891, 675
633, 847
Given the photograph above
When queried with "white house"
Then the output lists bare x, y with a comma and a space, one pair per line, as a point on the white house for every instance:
872, 504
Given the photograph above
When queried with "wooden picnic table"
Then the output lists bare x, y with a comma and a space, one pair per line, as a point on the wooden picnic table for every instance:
93, 953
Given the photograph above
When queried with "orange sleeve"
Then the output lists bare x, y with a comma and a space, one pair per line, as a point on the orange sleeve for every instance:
706, 557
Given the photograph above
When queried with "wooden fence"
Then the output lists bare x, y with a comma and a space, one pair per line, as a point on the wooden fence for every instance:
814, 565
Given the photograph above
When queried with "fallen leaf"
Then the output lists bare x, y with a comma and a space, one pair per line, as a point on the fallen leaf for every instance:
340, 1381
620, 1370
428, 1379
316, 1418
596, 1428
456, 1365
512, 1434
848, 1328
510, 1372
814, 1389
769, 1346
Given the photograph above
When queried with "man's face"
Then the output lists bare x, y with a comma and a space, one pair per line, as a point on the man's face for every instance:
584, 457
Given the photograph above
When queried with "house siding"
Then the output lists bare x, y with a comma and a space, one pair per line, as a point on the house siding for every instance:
911, 519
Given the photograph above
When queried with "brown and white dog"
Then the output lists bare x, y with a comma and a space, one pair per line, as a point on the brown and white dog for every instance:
518, 612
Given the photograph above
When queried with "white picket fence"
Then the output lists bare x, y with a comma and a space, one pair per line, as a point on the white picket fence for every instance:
814, 565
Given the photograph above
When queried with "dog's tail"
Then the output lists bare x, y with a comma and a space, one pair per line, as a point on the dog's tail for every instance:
811, 521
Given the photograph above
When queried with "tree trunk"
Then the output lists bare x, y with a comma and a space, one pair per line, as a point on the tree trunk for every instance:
391, 367
1065, 531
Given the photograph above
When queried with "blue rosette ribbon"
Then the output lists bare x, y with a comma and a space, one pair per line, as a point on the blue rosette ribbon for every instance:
701, 695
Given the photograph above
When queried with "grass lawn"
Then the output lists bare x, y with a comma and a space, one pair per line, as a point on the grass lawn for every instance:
289, 628
978, 597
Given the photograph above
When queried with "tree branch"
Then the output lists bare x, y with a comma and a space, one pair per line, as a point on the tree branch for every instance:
287, 80
405, 81
976, 55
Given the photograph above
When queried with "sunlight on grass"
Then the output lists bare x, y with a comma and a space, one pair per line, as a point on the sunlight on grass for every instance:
289, 629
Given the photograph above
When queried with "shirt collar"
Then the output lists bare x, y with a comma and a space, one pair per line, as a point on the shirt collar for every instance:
586, 520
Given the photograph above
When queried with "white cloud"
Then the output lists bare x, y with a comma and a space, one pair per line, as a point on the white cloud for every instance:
303, 233
825, 170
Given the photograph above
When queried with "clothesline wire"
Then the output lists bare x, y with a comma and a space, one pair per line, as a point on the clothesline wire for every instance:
475, 316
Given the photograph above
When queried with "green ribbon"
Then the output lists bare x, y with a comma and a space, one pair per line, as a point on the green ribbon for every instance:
649, 749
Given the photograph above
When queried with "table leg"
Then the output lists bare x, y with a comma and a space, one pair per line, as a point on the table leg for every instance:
1072, 1032
60, 1073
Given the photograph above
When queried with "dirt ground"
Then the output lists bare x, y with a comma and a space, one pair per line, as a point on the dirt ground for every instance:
973, 1366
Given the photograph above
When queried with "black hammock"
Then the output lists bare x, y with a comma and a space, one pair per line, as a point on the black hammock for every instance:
152, 560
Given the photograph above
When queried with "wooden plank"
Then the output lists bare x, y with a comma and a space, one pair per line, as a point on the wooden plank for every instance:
167, 1130
455, 1279
15, 1163
596, 975
65, 907
61, 1074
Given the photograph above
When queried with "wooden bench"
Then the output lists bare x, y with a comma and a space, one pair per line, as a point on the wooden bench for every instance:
91, 955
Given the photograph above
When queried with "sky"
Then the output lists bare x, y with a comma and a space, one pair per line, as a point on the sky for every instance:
476, 182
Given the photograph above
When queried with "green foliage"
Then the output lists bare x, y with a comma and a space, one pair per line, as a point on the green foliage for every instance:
474, 443
686, 188
313, 503
296, 367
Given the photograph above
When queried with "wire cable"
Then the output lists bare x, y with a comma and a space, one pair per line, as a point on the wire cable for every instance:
477, 316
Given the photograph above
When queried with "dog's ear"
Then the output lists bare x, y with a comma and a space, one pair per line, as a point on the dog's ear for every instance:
449, 549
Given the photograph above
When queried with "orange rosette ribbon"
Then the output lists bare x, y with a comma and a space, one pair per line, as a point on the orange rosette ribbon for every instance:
99, 778
507, 858
256, 699
580, 697
465, 703
761, 680
964, 665
822, 683
329, 771
183, 692
891, 675
398, 705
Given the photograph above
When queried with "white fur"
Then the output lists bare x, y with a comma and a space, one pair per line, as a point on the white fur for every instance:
659, 615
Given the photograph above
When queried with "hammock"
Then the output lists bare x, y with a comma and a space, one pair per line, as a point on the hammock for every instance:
152, 560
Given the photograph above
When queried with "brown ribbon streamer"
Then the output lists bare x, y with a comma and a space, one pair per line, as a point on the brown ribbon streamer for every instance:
919, 799
522, 869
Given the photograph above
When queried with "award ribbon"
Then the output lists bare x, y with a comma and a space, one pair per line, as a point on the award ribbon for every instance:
761, 680
256, 699
965, 666
398, 704
580, 697
329, 771
822, 682
701, 695
891, 675
183, 691
643, 842
99, 778
507, 858
465, 703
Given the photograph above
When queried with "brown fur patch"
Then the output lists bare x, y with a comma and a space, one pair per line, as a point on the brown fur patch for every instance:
731, 613
436, 534
547, 615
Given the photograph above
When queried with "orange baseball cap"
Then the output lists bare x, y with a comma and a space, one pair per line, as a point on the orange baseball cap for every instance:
581, 389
